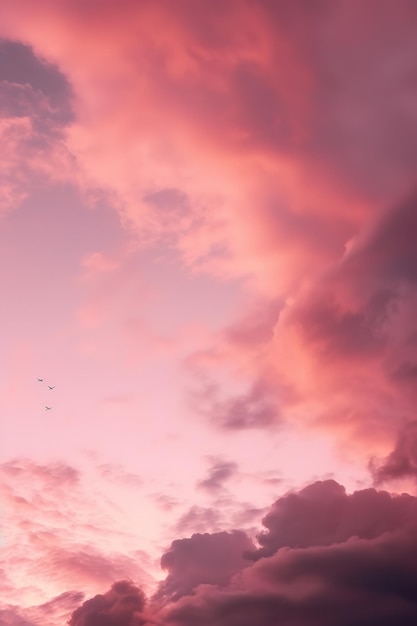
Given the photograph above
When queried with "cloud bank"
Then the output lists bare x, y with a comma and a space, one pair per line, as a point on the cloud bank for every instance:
325, 557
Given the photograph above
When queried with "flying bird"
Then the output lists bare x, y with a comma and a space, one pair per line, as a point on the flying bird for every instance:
49, 387
40, 380
48, 408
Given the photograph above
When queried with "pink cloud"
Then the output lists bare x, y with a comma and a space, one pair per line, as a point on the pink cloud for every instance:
355, 562
351, 334
323, 513
121, 606
269, 112
54, 533
402, 461
202, 559
35, 108
262, 145
200, 519
272, 122
340, 356
116, 473
219, 472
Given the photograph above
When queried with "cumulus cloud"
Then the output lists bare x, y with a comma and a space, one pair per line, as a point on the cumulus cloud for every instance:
121, 606
323, 514
326, 555
370, 582
202, 559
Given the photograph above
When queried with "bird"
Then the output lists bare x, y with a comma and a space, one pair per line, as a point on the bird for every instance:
49, 387
48, 408
40, 380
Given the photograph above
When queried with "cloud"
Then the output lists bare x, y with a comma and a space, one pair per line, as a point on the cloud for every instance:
35, 110
88, 564
402, 461
326, 555
115, 472
279, 140
22, 67
323, 514
362, 574
200, 519
262, 145
13, 617
255, 408
219, 472
359, 582
202, 559
341, 354
351, 333
121, 606
54, 611
54, 533
53, 475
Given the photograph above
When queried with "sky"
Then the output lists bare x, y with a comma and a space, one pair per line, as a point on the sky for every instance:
208, 227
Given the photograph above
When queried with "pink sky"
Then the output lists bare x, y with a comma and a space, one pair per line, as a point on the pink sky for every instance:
208, 226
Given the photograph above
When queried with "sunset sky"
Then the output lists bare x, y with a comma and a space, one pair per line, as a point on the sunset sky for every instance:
208, 249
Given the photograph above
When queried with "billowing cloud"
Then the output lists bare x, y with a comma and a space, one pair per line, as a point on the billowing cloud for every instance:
202, 559
352, 333
326, 555
342, 353
271, 145
323, 514
121, 606
280, 144
369, 582
402, 461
